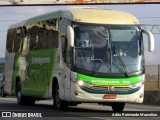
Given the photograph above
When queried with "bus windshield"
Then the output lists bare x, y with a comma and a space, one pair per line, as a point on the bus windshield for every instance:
108, 49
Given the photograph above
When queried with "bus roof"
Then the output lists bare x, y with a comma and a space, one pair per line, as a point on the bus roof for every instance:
85, 15
102, 16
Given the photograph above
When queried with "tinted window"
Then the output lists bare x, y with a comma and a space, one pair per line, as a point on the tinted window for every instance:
34, 37
14, 40
9, 41
44, 37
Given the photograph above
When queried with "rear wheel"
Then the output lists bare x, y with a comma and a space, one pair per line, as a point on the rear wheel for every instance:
118, 107
58, 103
22, 100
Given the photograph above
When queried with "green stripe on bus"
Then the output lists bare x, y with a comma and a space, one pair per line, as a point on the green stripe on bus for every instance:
110, 81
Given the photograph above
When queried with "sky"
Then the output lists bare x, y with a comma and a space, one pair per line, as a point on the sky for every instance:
146, 13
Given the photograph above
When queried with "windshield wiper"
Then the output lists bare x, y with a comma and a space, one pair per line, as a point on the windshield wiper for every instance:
122, 63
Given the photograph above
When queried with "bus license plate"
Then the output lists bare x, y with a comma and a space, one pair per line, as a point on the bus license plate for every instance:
109, 96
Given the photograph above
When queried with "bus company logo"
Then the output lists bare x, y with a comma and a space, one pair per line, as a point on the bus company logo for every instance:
111, 88
21, 115
6, 114
40, 60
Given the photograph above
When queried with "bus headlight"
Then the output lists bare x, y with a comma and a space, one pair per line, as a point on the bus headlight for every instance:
84, 84
137, 85
80, 83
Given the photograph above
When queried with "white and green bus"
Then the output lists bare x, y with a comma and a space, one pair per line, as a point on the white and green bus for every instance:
77, 55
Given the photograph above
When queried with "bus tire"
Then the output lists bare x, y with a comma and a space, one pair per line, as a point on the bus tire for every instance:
23, 100
2, 92
20, 97
58, 103
118, 107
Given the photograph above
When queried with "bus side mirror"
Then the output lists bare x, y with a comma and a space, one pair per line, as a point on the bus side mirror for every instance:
70, 36
150, 40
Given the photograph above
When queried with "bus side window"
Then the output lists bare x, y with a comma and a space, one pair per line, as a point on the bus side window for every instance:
14, 40
21, 36
34, 38
51, 40
25, 43
9, 41
17, 40
49, 35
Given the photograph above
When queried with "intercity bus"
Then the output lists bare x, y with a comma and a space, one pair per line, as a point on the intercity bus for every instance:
77, 55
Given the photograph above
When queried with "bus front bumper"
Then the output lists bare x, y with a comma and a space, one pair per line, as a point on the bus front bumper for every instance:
79, 95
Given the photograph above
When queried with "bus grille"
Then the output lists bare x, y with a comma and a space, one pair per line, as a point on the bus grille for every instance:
99, 88
107, 88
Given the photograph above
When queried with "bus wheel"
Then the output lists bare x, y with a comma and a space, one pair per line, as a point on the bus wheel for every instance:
20, 98
118, 107
58, 103
2, 92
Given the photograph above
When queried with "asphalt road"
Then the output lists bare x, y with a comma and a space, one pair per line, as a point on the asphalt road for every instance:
86, 111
